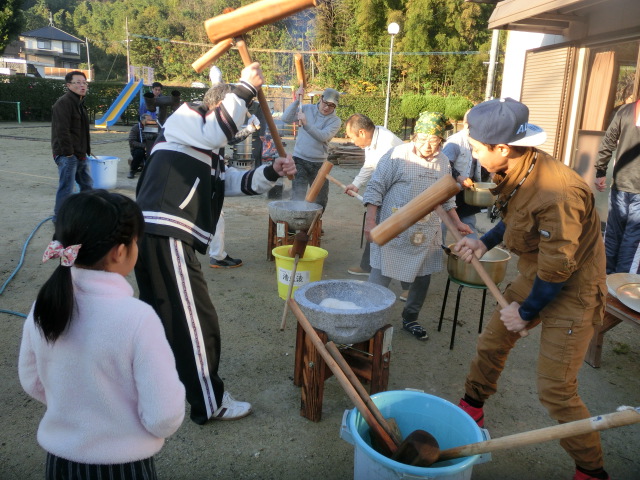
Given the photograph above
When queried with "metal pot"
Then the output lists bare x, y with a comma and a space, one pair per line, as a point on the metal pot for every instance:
298, 214
479, 195
494, 262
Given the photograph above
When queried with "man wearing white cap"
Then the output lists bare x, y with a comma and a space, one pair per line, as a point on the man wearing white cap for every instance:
547, 217
318, 125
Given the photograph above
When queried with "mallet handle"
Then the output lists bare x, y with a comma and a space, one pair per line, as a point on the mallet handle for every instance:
317, 184
477, 264
344, 187
570, 429
375, 411
246, 59
212, 55
283, 322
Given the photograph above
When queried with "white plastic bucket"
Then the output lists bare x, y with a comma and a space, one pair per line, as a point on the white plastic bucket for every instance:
104, 171
414, 410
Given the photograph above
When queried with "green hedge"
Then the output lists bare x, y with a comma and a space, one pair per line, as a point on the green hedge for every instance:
453, 106
37, 95
373, 107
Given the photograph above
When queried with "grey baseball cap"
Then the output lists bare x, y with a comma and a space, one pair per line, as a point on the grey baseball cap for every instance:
330, 95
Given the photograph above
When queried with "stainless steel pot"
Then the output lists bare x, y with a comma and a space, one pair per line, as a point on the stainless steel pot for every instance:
494, 262
479, 195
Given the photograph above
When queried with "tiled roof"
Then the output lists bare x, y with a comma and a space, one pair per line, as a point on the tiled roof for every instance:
51, 33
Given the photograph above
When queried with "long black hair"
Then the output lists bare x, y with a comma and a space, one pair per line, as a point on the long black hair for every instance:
97, 220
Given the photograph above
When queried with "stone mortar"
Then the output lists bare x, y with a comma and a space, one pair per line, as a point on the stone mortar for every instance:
346, 326
298, 214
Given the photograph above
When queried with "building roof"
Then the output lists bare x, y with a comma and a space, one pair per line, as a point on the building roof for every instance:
51, 33
570, 18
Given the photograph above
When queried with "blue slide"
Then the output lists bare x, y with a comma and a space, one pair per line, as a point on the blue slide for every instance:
117, 107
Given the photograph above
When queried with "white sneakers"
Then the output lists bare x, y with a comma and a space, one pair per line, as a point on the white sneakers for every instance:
358, 271
231, 409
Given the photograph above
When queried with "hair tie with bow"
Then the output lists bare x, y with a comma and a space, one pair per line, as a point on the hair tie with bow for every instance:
66, 255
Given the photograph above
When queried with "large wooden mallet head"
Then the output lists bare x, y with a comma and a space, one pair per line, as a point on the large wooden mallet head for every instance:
251, 16
302, 78
232, 23
423, 204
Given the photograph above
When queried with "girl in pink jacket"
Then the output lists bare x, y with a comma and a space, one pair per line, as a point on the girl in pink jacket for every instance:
96, 356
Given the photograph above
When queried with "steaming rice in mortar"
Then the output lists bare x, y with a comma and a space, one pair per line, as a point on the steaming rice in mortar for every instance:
338, 304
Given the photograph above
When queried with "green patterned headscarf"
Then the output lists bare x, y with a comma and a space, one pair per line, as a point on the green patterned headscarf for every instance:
432, 123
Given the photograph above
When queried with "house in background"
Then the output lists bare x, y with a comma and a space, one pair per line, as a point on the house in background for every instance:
571, 62
46, 52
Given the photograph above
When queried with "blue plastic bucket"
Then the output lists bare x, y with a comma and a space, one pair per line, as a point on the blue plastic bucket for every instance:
104, 171
412, 411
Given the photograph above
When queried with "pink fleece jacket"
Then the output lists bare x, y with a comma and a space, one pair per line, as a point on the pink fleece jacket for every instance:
109, 382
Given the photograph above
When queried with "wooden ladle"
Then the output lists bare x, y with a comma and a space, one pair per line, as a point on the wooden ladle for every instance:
431, 452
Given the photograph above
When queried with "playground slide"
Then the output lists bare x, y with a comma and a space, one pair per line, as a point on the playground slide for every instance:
117, 107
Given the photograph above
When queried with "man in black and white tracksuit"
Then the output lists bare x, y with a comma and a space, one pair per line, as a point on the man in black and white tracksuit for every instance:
181, 192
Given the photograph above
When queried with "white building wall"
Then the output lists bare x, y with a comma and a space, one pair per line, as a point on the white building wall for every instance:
517, 45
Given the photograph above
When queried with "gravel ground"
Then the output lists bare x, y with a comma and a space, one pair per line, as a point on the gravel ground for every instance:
258, 359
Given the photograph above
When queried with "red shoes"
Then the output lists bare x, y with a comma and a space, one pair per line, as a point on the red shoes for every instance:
580, 475
474, 412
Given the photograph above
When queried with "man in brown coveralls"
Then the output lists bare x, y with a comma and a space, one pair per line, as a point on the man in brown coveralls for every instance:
548, 218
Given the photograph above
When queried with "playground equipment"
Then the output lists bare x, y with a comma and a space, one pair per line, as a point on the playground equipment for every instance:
128, 93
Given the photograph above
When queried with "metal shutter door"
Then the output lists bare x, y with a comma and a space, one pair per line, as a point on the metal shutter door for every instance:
546, 84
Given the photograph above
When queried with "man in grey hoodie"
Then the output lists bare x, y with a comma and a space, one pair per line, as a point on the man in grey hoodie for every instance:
318, 125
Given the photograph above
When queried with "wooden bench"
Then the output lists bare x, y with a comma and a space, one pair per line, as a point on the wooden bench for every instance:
615, 312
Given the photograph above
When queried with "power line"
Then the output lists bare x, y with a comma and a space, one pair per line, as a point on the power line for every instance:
312, 52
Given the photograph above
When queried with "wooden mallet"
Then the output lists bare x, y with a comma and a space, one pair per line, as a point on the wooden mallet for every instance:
428, 201
264, 106
302, 79
249, 17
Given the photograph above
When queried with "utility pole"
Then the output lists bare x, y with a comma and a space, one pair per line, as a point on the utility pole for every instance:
126, 26
86, 43
491, 74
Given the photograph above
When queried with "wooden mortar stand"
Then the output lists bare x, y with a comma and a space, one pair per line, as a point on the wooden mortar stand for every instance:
389, 445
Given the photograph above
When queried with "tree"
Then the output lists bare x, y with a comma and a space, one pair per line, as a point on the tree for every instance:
11, 22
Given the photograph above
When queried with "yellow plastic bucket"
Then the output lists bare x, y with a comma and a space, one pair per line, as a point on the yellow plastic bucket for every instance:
309, 268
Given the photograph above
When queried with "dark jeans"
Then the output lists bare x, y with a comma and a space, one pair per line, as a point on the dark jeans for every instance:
417, 293
138, 157
306, 174
71, 170
622, 236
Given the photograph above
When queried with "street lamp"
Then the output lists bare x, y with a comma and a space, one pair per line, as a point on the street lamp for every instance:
393, 30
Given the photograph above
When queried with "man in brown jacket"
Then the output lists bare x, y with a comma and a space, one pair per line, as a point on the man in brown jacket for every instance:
70, 141
548, 218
